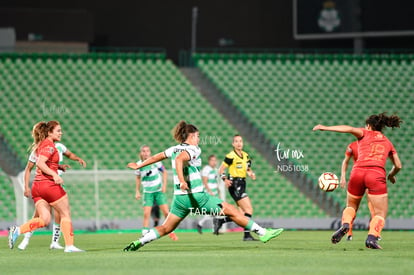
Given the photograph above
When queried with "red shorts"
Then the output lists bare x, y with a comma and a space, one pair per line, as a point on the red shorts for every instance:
47, 190
371, 178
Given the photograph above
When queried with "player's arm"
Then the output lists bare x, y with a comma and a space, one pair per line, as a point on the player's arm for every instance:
27, 170
249, 170
41, 164
357, 132
137, 187
164, 180
344, 168
395, 169
179, 164
205, 183
153, 159
73, 156
222, 173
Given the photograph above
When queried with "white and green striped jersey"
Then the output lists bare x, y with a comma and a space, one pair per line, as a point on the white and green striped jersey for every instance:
151, 179
61, 150
191, 169
211, 174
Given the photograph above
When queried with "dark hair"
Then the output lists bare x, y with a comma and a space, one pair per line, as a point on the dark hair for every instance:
40, 132
378, 122
211, 156
182, 130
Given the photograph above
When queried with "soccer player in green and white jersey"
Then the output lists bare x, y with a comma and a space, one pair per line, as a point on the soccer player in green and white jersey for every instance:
63, 151
189, 194
154, 188
209, 175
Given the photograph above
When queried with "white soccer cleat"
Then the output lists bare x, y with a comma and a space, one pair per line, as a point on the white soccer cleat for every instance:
14, 232
73, 248
55, 245
23, 244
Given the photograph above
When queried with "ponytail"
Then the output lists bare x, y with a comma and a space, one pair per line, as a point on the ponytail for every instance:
182, 130
40, 132
378, 122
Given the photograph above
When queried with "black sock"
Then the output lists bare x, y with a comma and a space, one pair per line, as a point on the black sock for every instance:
247, 231
226, 219
155, 223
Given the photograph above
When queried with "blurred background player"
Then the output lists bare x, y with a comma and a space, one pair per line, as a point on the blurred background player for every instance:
351, 152
63, 151
189, 194
154, 188
369, 173
238, 165
47, 188
209, 176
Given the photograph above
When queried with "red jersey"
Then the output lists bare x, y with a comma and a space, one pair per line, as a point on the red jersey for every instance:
47, 148
373, 149
352, 150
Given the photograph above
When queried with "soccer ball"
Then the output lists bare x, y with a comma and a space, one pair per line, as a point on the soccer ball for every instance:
328, 182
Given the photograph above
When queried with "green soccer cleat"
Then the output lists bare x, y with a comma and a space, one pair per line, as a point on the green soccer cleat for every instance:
270, 234
134, 246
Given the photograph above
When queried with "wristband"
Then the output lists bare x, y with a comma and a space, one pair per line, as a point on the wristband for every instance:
223, 176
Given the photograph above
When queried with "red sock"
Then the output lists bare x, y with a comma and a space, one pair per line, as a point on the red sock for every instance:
348, 215
31, 225
376, 225
67, 230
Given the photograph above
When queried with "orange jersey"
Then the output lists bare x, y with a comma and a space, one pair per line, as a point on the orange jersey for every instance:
373, 149
352, 150
47, 148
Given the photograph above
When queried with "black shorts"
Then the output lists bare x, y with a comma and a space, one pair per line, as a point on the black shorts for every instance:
237, 189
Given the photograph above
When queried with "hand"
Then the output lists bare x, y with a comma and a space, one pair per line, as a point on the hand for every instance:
137, 195
82, 162
26, 192
184, 186
392, 179
57, 179
63, 167
342, 182
318, 127
251, 174
227, 182
133, 165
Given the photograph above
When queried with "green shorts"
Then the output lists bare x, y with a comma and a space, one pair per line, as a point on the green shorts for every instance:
157, 197
196, 204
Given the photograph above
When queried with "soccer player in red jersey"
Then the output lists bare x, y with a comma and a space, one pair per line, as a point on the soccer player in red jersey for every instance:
351, 152
369, 173
47, 190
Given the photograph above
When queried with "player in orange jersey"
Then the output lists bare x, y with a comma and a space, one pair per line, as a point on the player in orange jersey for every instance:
47, 188
351, 152
369, 173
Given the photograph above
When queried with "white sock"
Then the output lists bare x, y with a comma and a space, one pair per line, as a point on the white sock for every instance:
258, 229
144, 231
28, 235
204, 219
56, 233
149, 237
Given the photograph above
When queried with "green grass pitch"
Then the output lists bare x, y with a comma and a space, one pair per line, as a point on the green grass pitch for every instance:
294, 252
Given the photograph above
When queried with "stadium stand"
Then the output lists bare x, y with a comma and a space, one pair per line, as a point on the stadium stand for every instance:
7, 205
285, 95
109, 105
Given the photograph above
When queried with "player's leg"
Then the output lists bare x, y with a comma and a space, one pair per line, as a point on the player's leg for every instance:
164, 209
56, 232
247, 208
155, 214
43, 209
236, 194
146, 219
201, 222
356, 190
62, 206
236, 216
378, 196
25, 242
380, 207
348, 215
170, 223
